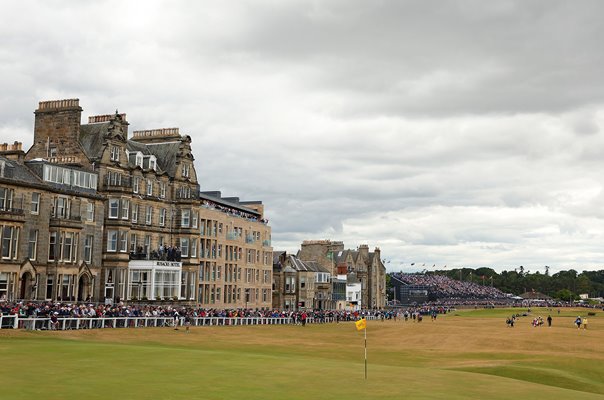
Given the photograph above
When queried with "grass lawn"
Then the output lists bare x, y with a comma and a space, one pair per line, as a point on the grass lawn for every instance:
464, 355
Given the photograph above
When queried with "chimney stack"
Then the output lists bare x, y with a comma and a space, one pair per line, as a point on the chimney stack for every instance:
57, 123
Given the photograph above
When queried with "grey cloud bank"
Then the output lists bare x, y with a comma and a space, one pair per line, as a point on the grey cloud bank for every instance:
455, 133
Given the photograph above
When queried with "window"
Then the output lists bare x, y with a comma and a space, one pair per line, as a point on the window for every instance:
6, 199
139, 159
32, 247
290, 284
152, 163
185, 218
148, 215
62, 207
125, 208
322, 277
193, 247
114, 179
302, 281
136, 184
90, 211
112, 237
67, 246
184, 247
186, 170
162, 217
49, 285
147, 243
133, 243
52, 246
123, 241
67, 176
10, 238
134, 213
162, 190
114, 208
115, 153
88, 248
149, 187
35, 203
194, 219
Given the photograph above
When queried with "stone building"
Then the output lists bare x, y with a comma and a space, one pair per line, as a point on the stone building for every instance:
367, 267
158, 237
299, 285
51, 238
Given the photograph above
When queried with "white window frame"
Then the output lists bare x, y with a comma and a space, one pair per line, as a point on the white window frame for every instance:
115, 153
194, 219
112, 241
90, 211
185, 218
162, 217
184, 247
113, 205
88, 244
149, 215
32, 245
134, 212
35, 202
125, 208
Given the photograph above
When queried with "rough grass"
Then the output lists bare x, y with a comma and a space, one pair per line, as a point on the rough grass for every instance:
471, 355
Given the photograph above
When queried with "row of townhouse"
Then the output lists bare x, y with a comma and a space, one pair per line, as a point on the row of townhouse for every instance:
89, 213
324, 275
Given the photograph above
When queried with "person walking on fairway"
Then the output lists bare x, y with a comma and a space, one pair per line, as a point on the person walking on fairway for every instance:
549, 321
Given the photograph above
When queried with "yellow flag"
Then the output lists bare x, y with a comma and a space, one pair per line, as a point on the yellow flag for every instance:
361, 324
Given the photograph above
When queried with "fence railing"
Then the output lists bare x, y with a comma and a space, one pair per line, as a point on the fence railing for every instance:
63, 324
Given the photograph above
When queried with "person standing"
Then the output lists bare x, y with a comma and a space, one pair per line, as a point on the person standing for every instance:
549, 321
585, 323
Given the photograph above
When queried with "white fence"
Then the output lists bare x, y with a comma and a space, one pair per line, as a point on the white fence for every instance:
15, 322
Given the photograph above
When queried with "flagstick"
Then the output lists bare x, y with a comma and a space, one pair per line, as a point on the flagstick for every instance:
365, 352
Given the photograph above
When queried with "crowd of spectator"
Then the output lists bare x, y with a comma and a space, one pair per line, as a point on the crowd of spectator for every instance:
71, 310
232, 211
443, 287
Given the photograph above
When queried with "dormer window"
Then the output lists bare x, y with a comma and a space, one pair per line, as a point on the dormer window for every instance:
186, 170
115, 153
139, 159
152, 163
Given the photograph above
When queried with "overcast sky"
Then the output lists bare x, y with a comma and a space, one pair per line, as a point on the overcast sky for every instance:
446, 133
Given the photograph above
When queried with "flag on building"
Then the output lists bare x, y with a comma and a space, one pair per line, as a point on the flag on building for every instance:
361, 324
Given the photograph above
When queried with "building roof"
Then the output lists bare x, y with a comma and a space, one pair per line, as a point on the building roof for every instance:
92, 137
305, 266
18, 172
166, 154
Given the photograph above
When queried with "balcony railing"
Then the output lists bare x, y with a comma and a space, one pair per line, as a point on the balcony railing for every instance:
250, 239
266, 243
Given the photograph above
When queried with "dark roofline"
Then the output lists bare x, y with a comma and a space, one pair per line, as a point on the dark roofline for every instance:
223, 202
